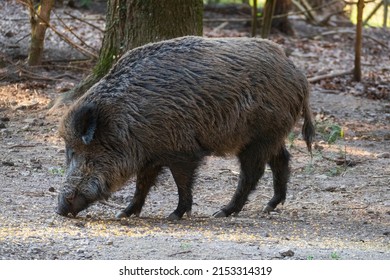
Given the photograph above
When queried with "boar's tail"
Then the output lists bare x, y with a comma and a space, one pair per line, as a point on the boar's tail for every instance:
308, 130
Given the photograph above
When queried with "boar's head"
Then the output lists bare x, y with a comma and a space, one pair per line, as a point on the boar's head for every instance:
95, 157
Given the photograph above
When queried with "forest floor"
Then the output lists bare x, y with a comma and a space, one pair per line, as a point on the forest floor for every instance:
338, 203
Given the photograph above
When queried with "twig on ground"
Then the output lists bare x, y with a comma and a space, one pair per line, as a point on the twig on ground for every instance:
221, 26
110, 204
348, 31
179, 253
22, 146
331, 75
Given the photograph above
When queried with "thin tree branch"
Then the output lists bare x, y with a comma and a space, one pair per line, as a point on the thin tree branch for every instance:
85, 21
62, 36
74, 34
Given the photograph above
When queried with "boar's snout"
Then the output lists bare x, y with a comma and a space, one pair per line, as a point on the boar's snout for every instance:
71, 202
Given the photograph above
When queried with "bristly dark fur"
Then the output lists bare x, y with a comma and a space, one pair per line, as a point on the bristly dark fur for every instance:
173, 102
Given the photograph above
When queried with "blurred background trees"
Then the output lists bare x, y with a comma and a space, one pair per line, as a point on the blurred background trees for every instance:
132, 23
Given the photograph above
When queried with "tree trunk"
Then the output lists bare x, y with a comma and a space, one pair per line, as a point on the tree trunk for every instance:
269, 9
133, 23
357, 72
38, 20
276, 8
254, 18
283, 24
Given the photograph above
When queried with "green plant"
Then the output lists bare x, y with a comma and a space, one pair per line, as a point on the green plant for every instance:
334, 133
309, 168
185, 246
335, 256
85, 3
329, 131
335, 171
291, 139
57, 171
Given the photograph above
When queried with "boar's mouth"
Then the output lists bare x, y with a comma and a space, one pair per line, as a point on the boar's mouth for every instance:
72, 205
65, 212
71, 201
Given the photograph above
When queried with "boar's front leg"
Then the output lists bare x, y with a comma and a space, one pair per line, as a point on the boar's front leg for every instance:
183, 173
145, 180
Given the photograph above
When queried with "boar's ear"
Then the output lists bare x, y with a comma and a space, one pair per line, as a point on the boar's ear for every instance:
85, 122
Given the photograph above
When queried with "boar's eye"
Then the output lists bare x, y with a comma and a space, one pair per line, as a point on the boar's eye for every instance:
85, 122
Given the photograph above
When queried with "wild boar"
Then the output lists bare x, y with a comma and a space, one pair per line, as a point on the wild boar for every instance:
170, 104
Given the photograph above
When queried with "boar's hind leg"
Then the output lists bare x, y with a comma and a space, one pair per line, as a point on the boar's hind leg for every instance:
183, 173
252, 168
145, 180
281, 171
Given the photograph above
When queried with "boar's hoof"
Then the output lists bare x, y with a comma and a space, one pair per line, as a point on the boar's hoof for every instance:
267, 209
120, 215
173, 217
220, 214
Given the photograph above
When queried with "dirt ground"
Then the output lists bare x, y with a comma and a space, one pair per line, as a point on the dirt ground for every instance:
338, 203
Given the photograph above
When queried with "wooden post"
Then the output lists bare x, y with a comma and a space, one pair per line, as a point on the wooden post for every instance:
357, 72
